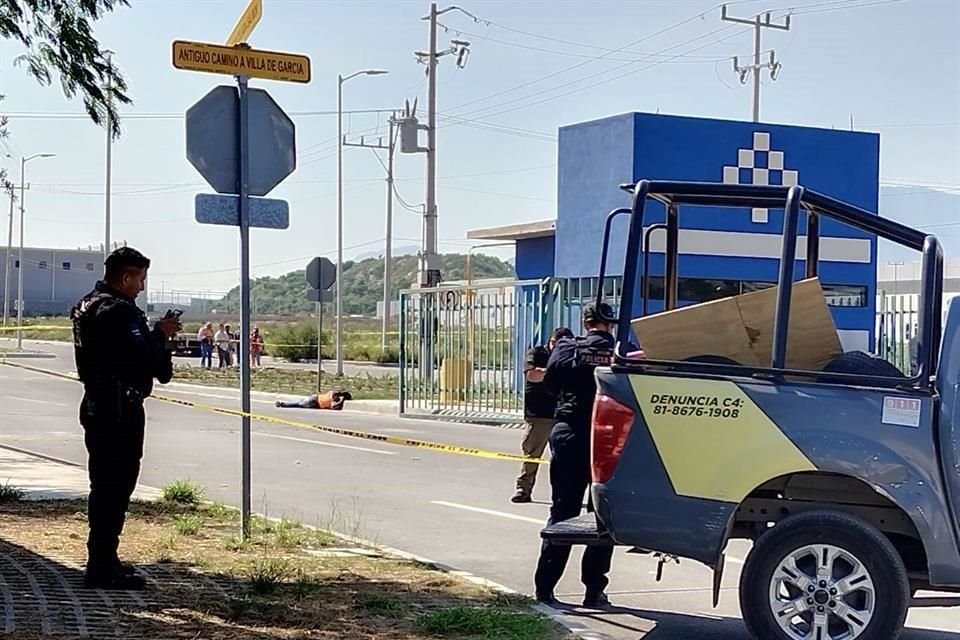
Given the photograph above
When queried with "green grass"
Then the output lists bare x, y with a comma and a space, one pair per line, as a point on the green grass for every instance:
383, 604
289, 534
235, 543
486, 623
183, 492
292, 381
267, 574
10, 493
188, 524
219, 511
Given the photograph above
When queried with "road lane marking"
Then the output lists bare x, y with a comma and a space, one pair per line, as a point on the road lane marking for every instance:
56, 404
489, 512
325, 444
350, 433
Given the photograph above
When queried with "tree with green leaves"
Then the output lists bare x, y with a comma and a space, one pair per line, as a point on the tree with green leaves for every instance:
58, 36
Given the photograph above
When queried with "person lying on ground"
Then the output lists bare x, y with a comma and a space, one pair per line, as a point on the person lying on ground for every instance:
331, 400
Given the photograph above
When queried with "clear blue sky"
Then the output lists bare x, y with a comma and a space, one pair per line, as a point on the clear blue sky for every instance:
895, 66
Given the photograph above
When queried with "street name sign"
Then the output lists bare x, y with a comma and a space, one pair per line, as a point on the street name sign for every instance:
241, 61
247, 23
265, 213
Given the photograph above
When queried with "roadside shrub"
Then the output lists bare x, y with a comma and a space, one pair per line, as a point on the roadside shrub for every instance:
183, 492
297, 342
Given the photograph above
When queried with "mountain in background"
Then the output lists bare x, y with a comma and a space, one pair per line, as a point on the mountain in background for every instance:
362, 284
405, 250
921, 208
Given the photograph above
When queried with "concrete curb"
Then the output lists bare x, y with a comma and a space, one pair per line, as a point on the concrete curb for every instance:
13, 355
571, 623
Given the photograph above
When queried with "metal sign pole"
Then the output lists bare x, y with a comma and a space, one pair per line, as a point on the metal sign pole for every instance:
320, 347
244, 206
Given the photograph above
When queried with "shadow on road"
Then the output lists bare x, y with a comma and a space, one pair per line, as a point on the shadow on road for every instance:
661, 625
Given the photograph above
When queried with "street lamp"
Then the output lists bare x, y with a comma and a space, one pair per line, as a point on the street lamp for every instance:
23, 186
340, 80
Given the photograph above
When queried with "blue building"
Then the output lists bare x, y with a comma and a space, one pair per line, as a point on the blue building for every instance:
722, 252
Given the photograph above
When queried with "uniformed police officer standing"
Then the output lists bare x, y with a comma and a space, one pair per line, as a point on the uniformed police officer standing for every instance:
569, 377
117, 357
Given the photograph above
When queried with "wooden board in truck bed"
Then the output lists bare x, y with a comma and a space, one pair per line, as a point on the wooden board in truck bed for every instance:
741, 328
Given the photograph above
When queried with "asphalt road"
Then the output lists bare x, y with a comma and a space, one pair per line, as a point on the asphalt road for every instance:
450, 508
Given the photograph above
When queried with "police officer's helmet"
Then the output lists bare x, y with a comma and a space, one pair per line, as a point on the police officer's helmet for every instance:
599, 313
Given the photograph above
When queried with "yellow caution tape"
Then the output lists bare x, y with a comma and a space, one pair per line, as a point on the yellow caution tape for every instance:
350, 433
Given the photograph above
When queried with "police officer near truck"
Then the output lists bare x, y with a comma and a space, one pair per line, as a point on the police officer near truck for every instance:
569, 378
117, 357
539, 408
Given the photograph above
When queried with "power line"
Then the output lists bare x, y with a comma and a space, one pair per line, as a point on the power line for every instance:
600, 82
836, 6
266, 264
585, 62
166, 115
485, 38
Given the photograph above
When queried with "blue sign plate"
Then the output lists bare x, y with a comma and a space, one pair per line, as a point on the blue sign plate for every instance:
266, 213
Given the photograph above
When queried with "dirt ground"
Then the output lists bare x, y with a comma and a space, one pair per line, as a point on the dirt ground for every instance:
205, 583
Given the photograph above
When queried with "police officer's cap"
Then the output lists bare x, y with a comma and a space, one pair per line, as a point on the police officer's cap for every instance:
126, 258
598, 313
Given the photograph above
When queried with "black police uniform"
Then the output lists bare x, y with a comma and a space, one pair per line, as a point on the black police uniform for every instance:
570, 377
117, 358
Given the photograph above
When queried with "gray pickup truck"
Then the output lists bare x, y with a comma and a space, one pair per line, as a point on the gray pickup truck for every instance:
846, 480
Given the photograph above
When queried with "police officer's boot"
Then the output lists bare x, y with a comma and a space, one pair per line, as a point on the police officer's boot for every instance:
105, 571
111, 577
596, 600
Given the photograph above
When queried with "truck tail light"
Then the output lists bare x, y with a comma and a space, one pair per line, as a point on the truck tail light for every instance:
611, 426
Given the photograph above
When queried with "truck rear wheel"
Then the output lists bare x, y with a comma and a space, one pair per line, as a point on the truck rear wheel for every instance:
824, 575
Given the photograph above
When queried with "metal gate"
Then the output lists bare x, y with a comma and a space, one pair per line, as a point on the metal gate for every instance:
462, 346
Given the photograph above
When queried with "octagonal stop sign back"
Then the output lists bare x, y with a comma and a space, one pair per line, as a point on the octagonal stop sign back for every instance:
212, 140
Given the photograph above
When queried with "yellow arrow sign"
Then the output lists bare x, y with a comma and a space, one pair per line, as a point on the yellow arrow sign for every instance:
247, 23
238, 61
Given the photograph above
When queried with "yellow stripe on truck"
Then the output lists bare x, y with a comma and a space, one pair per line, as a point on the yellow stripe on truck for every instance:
715, 442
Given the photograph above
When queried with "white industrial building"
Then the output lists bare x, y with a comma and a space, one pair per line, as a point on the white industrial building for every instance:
53, 279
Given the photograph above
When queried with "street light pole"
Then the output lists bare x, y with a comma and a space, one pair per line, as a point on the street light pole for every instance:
109, 169
23, 187
339, 300
6, 266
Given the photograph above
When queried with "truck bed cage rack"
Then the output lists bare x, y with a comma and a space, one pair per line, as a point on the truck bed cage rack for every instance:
792, 200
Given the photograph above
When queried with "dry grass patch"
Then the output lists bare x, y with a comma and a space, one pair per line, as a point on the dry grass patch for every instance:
286, 582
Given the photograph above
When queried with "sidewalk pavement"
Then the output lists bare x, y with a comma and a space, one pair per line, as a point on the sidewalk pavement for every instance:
50, 479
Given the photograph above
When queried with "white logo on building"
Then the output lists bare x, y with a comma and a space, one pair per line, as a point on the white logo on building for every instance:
759, 165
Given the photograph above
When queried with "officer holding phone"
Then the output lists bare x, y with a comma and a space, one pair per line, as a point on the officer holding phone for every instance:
117, 357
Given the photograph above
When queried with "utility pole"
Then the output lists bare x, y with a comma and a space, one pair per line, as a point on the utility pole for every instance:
773, 65
429, 275
389, 147
429, 260
429, 267
6, 266
109, 125
23, 188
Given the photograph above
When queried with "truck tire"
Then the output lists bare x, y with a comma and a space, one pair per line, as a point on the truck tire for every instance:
827, 572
